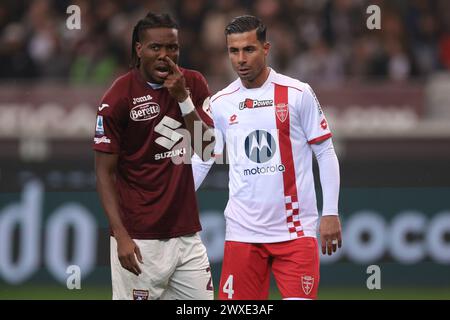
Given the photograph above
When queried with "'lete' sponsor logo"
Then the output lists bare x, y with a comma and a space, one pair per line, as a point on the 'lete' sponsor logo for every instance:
145, 111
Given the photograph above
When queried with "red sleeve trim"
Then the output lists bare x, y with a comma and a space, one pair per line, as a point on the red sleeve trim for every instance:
321, 138
298, 89
224, 94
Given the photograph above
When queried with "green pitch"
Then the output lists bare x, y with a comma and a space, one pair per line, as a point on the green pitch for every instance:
104, 293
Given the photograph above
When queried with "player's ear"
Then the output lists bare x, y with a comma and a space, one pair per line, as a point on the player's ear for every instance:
266, 47
138, 47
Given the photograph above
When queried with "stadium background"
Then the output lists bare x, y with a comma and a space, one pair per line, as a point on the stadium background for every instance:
385, 92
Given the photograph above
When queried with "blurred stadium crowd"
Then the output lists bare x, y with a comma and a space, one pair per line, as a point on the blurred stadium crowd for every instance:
314, 40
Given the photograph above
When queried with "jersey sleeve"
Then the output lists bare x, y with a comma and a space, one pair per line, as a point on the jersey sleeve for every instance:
112, 117
218, 130
201, 98
312, 118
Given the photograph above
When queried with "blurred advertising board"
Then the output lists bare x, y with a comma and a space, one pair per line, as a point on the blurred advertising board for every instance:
404, 230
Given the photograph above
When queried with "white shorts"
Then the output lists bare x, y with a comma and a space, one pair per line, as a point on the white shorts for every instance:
173, 269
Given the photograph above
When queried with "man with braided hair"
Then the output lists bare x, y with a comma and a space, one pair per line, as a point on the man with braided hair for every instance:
150, 202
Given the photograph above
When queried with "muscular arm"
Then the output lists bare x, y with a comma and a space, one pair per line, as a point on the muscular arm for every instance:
105, 170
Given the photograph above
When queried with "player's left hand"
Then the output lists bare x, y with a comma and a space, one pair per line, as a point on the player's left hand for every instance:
175, 82
330, 234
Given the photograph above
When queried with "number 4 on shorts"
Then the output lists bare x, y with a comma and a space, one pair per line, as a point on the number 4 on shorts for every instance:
228, 287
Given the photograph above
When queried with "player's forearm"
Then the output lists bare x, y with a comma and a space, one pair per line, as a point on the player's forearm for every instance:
109, 199
329, 177
201, 136
330, 181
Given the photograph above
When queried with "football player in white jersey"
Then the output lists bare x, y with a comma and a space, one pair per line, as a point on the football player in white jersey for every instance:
271, 125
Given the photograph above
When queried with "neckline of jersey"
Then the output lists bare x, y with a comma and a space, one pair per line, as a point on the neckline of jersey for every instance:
146, 84
155, 86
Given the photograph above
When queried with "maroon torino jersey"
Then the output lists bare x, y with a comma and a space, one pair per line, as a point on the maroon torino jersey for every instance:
156, 197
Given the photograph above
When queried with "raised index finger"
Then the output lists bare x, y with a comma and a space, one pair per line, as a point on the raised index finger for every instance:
172, 65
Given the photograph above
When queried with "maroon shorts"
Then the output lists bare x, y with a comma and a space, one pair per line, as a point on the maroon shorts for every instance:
246, 269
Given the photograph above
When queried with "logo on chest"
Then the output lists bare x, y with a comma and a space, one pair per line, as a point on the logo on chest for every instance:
260, 146
145, 111
142, 99
282, 111
252, 104
233, 119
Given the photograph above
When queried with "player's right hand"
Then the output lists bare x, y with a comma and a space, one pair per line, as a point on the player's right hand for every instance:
127, 251
175, 81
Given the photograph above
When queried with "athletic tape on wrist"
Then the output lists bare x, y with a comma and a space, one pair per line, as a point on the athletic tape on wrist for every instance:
187, 106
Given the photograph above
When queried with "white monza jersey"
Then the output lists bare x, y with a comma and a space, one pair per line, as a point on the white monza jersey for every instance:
268, 132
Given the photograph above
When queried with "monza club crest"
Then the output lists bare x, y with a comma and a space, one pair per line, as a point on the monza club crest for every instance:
282, 111
307, 284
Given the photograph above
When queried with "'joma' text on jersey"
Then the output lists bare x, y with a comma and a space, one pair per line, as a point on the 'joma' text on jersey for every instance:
142, 99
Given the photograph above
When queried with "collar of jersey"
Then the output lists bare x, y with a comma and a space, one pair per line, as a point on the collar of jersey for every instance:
265, 84
155, 86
